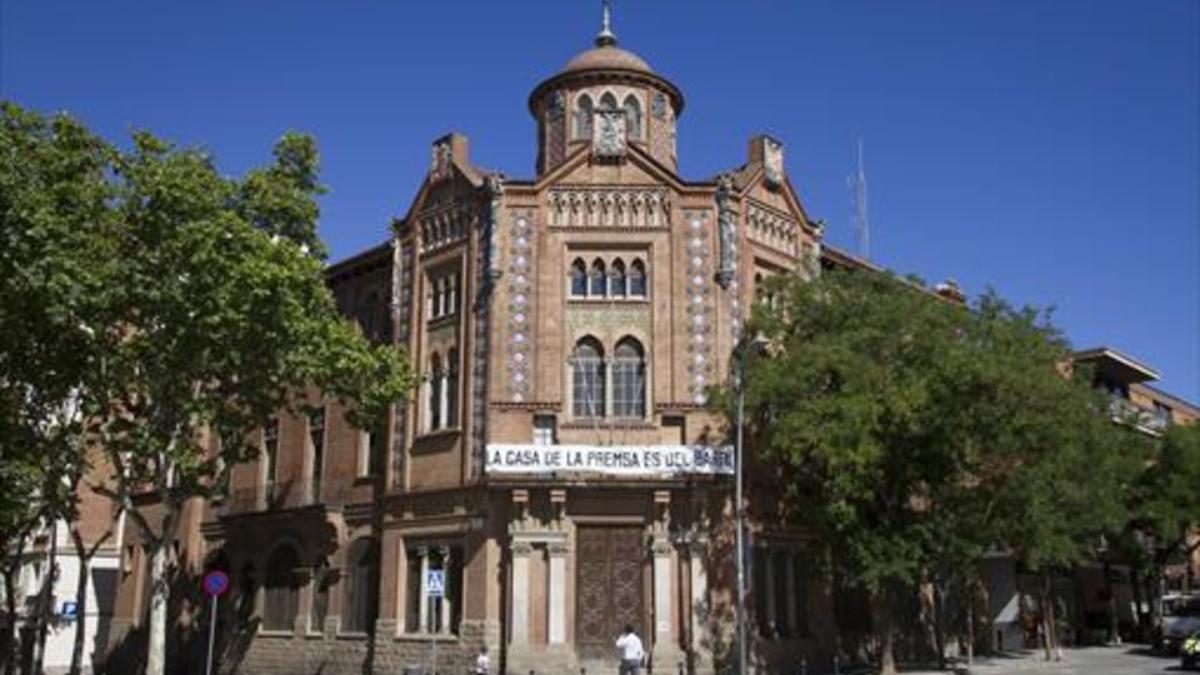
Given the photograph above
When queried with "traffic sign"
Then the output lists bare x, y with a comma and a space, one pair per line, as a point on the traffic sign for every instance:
216, 583
70, 610
435, 583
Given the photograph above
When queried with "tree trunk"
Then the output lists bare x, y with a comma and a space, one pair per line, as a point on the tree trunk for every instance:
939, 636
47, 603
1047, 619
10, 629
1135, 584
156, 658
1114, 635
81, 590
886, 631
971, 623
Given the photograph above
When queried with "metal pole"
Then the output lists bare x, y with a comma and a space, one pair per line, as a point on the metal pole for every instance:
212, 633
739, 515
434, 654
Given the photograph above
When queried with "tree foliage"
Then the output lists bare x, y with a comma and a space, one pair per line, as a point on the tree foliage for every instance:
176, 307
920, 434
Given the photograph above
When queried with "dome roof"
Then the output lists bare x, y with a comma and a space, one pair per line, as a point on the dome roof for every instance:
608, 57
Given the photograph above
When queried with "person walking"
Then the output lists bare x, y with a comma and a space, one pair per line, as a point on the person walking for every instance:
483, 663
632, 654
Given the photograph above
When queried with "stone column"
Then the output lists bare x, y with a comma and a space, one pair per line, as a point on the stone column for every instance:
520, 592
444, 396
303, 600
700, 605
444, 601
791, 593
426, 390
558, 593
423, 602
608, 385
662, 593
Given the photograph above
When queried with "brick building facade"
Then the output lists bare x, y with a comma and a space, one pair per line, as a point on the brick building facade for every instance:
558, 463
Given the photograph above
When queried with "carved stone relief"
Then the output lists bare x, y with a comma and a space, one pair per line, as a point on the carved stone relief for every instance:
658, 106
727, 230
612, 207
608, 134
773, 162
494, 186
444, 224
440, 161
772, 229
609, 323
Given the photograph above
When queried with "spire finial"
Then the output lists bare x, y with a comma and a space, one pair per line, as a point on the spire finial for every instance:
606, 38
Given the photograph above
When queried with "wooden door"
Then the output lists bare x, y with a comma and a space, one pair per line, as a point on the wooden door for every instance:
608, 588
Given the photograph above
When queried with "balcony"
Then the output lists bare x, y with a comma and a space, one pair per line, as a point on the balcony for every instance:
1149, 421
286, 495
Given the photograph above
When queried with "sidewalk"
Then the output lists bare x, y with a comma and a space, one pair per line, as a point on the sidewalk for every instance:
1112, 660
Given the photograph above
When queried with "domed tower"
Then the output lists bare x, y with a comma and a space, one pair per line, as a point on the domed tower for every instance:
607, 98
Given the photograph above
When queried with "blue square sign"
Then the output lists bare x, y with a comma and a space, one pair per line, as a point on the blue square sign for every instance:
435, 583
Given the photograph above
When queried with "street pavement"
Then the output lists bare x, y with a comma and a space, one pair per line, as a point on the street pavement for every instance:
1123, 660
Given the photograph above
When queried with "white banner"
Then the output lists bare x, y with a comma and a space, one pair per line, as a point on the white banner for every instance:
613, 460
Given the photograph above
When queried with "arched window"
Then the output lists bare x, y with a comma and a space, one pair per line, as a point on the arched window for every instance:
435, 392
608, 101
583, 117
361, 605
441, 297
599, 280
637, 279
629, 379
578, 278
452, 388
616, 282
633, 116
588, 376
282, 590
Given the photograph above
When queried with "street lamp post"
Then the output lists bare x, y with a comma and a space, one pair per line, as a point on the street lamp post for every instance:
739, 511
738, 515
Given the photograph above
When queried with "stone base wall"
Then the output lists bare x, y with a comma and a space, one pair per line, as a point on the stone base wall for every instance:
347, 654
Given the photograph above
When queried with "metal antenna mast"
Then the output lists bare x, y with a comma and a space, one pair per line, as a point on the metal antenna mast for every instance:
857, 185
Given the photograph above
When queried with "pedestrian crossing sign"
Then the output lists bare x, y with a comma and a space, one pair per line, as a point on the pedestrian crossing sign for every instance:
435, 583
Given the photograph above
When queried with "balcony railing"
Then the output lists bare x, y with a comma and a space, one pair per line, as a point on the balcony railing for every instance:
1124, 410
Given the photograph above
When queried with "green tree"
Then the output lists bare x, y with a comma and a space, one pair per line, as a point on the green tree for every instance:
1165, 504
903, 420
212, 314
54, 260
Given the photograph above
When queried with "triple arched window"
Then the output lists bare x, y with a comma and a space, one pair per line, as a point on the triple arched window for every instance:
442, 296
601, 387
602, 279
585, 110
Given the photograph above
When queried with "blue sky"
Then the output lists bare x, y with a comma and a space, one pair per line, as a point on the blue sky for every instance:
1048, 148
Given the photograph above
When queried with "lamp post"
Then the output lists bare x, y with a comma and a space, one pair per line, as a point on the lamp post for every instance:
739, 511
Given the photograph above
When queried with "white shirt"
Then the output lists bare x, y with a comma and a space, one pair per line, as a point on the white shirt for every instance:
631, 647
483, 664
